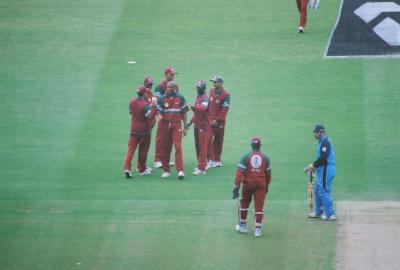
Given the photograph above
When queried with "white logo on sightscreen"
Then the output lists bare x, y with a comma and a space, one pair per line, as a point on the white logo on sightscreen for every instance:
388, 29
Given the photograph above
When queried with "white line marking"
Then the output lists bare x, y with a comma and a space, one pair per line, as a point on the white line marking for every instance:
131, 62
334, 28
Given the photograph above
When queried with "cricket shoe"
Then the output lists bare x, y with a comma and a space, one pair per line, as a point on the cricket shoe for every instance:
301, 29
332, 218
323, 217
211, 164
243, 227
172, 164
198, 172
128, 174
195, 169
257, 232
181, 175
218, 164
313, 215
145, 172
157, 164
165, 175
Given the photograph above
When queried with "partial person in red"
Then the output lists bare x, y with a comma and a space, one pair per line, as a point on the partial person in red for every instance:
161, 88
172, 107
148, 84
141, 114
218, 110
302, 7
254, 171
201, 127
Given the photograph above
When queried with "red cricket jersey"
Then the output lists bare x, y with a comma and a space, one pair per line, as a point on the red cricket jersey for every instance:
171, 107
200, 117
142, 115
253, 167
219, 105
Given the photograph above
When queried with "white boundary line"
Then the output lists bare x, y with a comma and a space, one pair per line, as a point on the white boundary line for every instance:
325, 56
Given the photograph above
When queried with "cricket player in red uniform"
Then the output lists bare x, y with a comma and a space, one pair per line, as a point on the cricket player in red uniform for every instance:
148, 83
142, 113
201, 127
254, 171
302, 7
172, 107
218, 110
161, 88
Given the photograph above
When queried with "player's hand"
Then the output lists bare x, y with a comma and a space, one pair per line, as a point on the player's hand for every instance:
266, 189
235, 192
214, 123
309, 169
184, 131
191, 106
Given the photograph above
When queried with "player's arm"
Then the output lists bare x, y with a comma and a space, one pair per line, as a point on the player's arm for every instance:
131, 106
184, 110
324, 152
202, 107
160, 104
268, 174
240, 175
225, 107
157, 91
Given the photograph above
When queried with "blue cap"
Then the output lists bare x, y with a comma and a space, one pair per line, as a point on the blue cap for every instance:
318, 128
218, 79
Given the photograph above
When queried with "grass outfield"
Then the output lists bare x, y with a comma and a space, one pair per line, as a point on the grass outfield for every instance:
65, 87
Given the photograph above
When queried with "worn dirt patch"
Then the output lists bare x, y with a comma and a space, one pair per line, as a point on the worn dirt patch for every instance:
368, 235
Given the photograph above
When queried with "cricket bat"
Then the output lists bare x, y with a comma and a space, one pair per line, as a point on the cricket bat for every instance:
310, 190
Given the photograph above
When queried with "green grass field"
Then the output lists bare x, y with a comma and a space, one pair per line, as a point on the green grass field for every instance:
65, 88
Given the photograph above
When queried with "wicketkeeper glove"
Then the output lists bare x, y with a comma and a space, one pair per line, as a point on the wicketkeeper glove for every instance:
235, 192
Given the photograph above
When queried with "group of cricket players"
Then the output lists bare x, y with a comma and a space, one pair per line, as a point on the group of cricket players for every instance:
168, 109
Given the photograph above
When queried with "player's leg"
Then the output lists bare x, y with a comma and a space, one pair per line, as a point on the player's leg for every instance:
144, 146
196, 142
218, 144
165, 141
326, 193
132, 144
303, 14
247, 193
210, 148
298, 2
158, 147
259, 198
202, 158
177, 140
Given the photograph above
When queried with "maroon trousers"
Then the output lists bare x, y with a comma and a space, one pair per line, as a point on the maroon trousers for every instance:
302, 7
215, 142
144, 144
170, 134
250, 189
201, 141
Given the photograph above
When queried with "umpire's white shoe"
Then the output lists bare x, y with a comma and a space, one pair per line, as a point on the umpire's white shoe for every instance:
181, 175
165, 175
198, 172
128, 174
146, 172
257, 232
313, 215
157, 164
243, 227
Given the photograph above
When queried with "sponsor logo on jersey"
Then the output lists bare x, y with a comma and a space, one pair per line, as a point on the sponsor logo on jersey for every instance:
256, 161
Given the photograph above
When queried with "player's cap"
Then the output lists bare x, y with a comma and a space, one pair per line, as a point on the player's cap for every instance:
256, 142
201, 84
318, 128
141, 90
218, 79
170, 70
148, 81
172, 85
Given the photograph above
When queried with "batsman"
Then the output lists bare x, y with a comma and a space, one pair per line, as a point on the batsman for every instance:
324, 166
254, 171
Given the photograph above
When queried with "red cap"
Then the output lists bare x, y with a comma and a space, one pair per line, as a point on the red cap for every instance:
148, 80
256, 141
170, 70
141, 90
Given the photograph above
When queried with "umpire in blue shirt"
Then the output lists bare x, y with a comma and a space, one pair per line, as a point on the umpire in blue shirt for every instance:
325, 167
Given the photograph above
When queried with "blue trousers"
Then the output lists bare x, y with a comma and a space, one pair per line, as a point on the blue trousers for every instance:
323, 190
